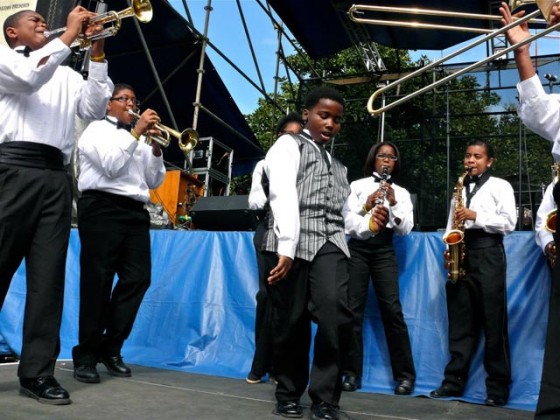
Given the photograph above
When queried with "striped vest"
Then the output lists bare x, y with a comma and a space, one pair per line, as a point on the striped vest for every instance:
322, 193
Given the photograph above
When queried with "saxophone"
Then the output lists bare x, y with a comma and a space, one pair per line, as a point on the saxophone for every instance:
454, 238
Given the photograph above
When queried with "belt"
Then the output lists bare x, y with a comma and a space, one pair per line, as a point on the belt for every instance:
477, 238
119, 200
27, 154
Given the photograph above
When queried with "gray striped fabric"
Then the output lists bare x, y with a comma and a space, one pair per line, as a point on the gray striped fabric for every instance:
322, 194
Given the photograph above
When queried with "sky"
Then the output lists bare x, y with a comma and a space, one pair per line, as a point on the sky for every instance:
227, 33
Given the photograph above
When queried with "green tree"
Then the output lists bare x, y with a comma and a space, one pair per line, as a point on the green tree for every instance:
431, 130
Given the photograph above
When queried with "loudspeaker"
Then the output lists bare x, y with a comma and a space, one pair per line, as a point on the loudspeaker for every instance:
224, 213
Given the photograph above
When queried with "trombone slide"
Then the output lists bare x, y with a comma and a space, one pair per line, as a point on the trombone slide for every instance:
397, 83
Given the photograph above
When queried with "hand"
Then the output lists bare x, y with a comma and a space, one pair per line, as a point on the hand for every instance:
372, 199
146, 122
390, 194
465, 214
281, 270
554, 15
75, 23
97, 48
550, 249
380, 217
517, 33
156, 147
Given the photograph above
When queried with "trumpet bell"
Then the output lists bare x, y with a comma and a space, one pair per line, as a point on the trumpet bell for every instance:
188, 140
142, 10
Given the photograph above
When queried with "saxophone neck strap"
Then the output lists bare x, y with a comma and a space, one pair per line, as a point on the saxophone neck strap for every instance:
479, 181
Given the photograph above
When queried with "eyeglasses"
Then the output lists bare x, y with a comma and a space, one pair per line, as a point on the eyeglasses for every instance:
383, 156
125, 99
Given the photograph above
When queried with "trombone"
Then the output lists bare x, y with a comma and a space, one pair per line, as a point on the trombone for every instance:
545, 11
187, 139
140, 9
356, 10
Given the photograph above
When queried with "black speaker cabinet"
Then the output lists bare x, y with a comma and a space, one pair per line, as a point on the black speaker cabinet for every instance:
224, 213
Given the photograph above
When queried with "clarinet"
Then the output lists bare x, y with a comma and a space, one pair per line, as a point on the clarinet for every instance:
382, 184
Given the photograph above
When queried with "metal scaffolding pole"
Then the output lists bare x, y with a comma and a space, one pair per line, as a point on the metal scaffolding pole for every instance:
196, 103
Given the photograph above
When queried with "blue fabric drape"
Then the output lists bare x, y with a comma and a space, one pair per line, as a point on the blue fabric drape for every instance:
198, 315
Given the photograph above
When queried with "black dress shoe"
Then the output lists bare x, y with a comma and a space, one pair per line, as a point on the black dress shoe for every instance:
445, 391
405, 387
290, 409
324, 411
351, 383
44, 389
495, 401
86, 373
116, 366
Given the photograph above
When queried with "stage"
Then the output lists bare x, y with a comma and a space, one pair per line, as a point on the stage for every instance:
163, 394
198, 319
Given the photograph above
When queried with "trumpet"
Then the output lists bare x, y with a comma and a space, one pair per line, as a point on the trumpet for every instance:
140, 9
187, 139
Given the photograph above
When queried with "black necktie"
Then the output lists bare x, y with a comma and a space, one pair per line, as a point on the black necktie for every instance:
25, 51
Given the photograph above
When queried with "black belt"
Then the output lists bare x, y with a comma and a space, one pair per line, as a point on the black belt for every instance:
385, 237
477, 238
27, 154
119, 200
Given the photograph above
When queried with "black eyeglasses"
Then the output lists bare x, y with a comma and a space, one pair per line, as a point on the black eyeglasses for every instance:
125, 99
383, 156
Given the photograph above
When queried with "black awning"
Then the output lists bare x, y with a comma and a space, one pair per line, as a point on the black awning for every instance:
175, 52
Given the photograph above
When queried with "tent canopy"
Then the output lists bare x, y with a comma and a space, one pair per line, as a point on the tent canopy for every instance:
174, 52
322, 26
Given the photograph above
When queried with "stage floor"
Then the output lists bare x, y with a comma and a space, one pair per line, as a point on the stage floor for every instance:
164, 394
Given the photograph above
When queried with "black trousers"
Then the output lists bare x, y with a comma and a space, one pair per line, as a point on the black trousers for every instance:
379, 263
115, 239
313, 291
474, 303
35, 208
548, 406
262, 359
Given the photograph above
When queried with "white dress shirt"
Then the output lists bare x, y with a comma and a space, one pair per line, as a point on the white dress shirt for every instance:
281, 166
38, 103
257, 196
543, 236
112, 160
356, 221
494, 204
540, 112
